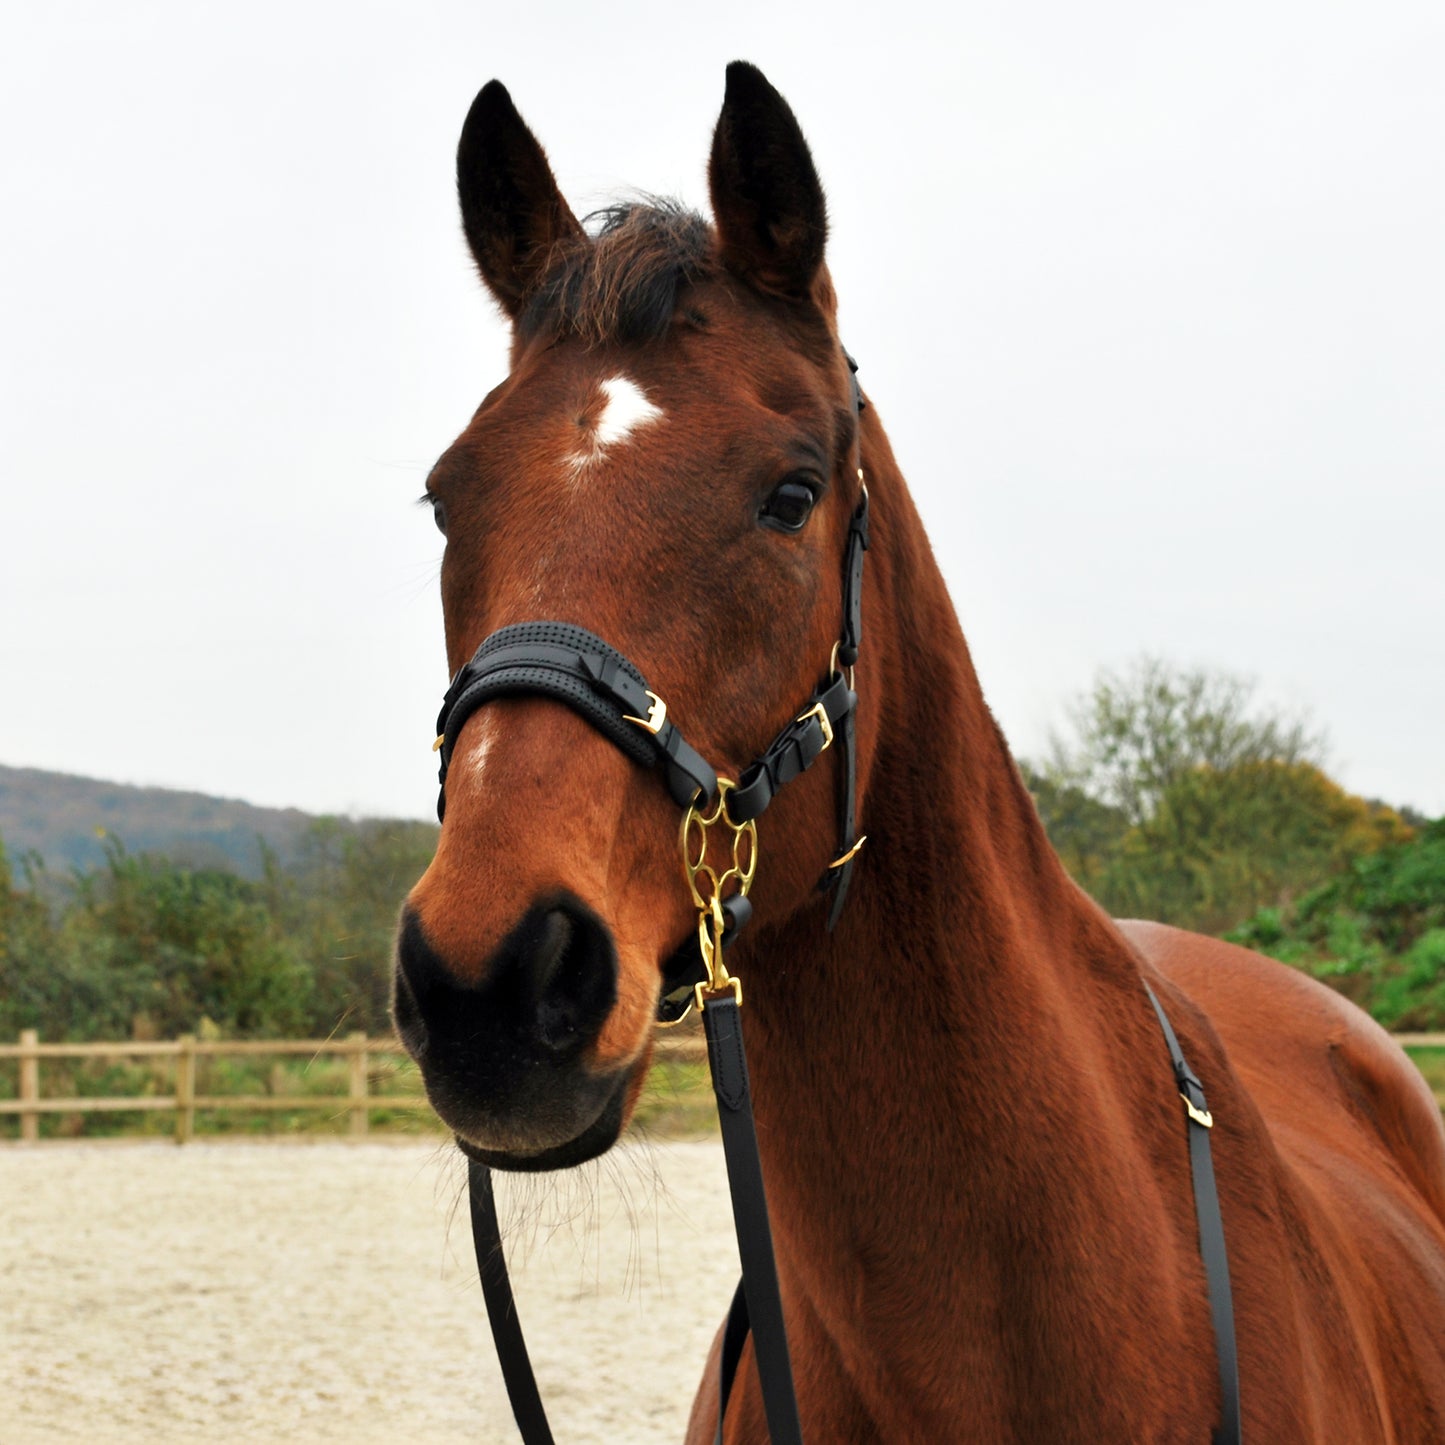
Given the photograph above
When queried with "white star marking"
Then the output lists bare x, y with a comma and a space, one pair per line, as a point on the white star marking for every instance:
626, 408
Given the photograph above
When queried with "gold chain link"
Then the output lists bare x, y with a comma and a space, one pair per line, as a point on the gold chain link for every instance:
710, 887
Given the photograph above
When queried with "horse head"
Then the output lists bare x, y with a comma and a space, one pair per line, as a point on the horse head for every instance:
671, 464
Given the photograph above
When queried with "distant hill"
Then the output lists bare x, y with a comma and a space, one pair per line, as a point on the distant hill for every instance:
66, 819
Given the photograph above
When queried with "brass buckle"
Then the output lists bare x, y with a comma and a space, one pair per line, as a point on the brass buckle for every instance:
821, 713
656, 714
1202, 1117
436, 746
852, 853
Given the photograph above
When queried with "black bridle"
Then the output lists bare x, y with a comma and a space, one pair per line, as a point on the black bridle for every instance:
578, 668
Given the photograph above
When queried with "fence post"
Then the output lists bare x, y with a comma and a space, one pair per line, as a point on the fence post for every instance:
360, 1112
29, 1084
185, 1088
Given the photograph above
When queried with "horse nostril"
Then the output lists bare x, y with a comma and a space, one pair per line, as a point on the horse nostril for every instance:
548, 988
551, 952
574, 977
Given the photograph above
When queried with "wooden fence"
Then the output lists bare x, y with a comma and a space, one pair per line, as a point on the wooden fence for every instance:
356, 1103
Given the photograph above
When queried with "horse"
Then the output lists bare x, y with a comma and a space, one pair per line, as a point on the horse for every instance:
974, 1155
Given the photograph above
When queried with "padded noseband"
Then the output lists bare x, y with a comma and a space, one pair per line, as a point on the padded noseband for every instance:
576, 667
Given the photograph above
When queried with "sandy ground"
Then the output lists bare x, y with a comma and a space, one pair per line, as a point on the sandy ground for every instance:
325, 1291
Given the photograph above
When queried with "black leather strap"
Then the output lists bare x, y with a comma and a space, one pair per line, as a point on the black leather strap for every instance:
576, 667
839, 873
1211, 1231
795, 749
757, 1298
502, 1309
852, 638
722, 1022
735, 1336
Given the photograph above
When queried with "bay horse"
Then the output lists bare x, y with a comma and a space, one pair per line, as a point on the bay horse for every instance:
974, 1156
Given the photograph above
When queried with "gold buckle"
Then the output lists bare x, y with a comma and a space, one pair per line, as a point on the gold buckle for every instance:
656, 714
1200, 1116
441, 738
852, 853
821, 713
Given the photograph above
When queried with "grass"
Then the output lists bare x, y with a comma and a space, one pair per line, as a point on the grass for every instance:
1431, 1063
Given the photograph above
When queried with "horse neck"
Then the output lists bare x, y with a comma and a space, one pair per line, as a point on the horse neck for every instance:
958, 876
920, 1064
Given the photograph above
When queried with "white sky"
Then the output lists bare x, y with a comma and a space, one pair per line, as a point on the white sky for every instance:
1151, 298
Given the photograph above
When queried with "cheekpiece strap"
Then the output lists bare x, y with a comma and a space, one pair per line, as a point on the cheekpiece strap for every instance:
795, 749
852, 638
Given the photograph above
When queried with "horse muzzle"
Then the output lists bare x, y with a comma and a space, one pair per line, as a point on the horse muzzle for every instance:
505, 1060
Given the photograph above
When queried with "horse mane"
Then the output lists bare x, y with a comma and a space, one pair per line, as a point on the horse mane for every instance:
620, 282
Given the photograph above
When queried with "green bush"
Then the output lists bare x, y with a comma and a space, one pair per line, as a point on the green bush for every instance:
1376, 930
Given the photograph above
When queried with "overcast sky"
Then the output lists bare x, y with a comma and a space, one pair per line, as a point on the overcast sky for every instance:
1151, 298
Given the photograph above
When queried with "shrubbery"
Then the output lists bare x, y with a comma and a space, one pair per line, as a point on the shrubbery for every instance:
142, 947
1179, 800
1376, 931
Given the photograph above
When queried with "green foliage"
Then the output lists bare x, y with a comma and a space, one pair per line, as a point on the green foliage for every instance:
1140, 732
1085, 832
1180, 800
141, 946
1375, 930
1219, 845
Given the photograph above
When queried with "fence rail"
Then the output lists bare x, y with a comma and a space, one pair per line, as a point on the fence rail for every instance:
357, 1102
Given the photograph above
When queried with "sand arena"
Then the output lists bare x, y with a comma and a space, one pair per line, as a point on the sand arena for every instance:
320, 1291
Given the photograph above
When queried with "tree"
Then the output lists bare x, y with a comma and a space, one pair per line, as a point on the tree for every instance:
28, 977
1141, 730
340, 905
147, 940
1180, 799
1221, 844
1085, 832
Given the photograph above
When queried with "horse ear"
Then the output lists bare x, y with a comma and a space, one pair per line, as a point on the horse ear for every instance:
512, 211
767, 200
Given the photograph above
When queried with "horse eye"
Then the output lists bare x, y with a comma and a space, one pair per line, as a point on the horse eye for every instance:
788, 506
439, 515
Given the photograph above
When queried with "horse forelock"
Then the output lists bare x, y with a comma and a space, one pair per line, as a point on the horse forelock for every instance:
621, 282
